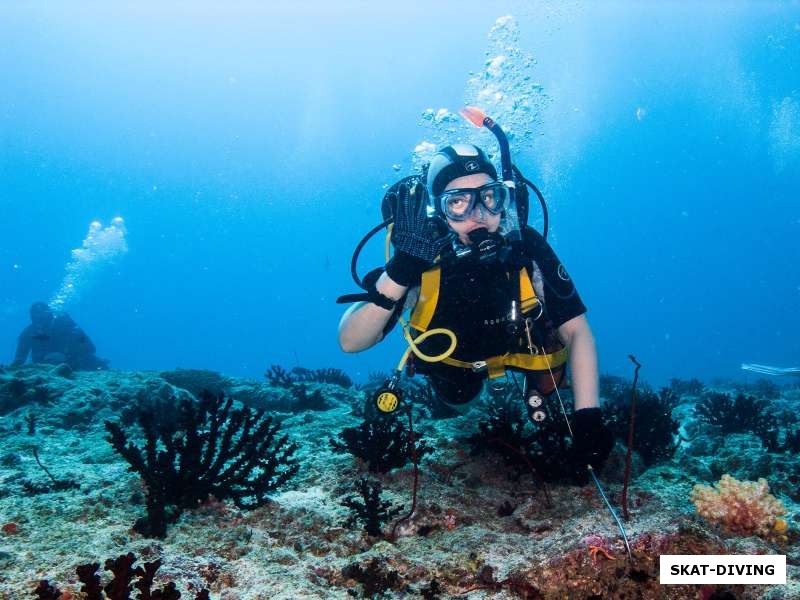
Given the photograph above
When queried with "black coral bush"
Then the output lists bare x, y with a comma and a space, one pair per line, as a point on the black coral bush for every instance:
731, 414
372, 511
384, 444
126, 577
544, 449
655, 435
213, 449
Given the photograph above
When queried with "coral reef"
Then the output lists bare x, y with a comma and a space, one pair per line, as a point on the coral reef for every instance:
277, 376
303, 400
20, 388
732, 414
55, 485
375, 578
543, 449
505, 432
761, 387
371, 510
196, 381
686, 387
46, 591
384, 444
327, 375
213, 450
479, 529
741, 507
655, 434
126, 577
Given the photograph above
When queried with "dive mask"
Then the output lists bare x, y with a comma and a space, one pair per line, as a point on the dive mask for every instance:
458, 204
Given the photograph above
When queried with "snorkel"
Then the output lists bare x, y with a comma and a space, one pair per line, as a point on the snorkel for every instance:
479, 119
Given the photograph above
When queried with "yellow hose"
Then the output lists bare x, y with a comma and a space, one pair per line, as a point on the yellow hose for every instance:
412, 343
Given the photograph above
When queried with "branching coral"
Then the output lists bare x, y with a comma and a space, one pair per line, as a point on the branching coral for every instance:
13, 394
543, 449
304, 401
126, 577
744, 413
376, 578
732, 415
280, 377
277, 376
212, 450
741, 507
655, 431
384, 444
372, 511
503, 432
327, 375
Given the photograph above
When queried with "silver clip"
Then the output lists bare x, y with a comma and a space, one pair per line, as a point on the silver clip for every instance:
478, 365
531, 346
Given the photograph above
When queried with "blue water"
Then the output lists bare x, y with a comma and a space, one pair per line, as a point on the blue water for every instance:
246, 149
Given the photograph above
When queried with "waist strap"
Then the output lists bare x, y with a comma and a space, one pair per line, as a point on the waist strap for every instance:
496, 365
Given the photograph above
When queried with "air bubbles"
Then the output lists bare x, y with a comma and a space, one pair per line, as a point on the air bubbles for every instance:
99, 248
505, 88
438, 116
494, 66
424, 147
423, 152
784, 133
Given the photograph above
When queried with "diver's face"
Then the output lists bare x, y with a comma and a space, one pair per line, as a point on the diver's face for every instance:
41, 318
479, 217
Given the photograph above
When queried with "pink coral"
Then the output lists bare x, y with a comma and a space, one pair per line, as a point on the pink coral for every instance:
741, 507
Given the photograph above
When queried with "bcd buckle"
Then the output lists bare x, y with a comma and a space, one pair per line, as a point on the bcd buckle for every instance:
479, 365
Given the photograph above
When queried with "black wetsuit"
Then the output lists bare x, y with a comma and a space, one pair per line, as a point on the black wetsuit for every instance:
474, 302
61, 341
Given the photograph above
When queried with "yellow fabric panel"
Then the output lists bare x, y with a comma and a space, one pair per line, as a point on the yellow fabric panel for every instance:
527, 294
428, 298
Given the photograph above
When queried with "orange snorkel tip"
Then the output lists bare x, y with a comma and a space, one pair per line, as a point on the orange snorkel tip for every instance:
475, 116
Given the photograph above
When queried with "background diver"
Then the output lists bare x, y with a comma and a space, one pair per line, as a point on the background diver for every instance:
55, 338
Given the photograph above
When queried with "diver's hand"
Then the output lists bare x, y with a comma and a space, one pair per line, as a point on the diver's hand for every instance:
593, 440
413, 235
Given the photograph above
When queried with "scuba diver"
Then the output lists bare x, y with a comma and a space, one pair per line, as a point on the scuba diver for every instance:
55, 338
467, 264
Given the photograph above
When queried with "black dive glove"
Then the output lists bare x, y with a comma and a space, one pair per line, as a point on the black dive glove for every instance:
413, 235
593, 440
